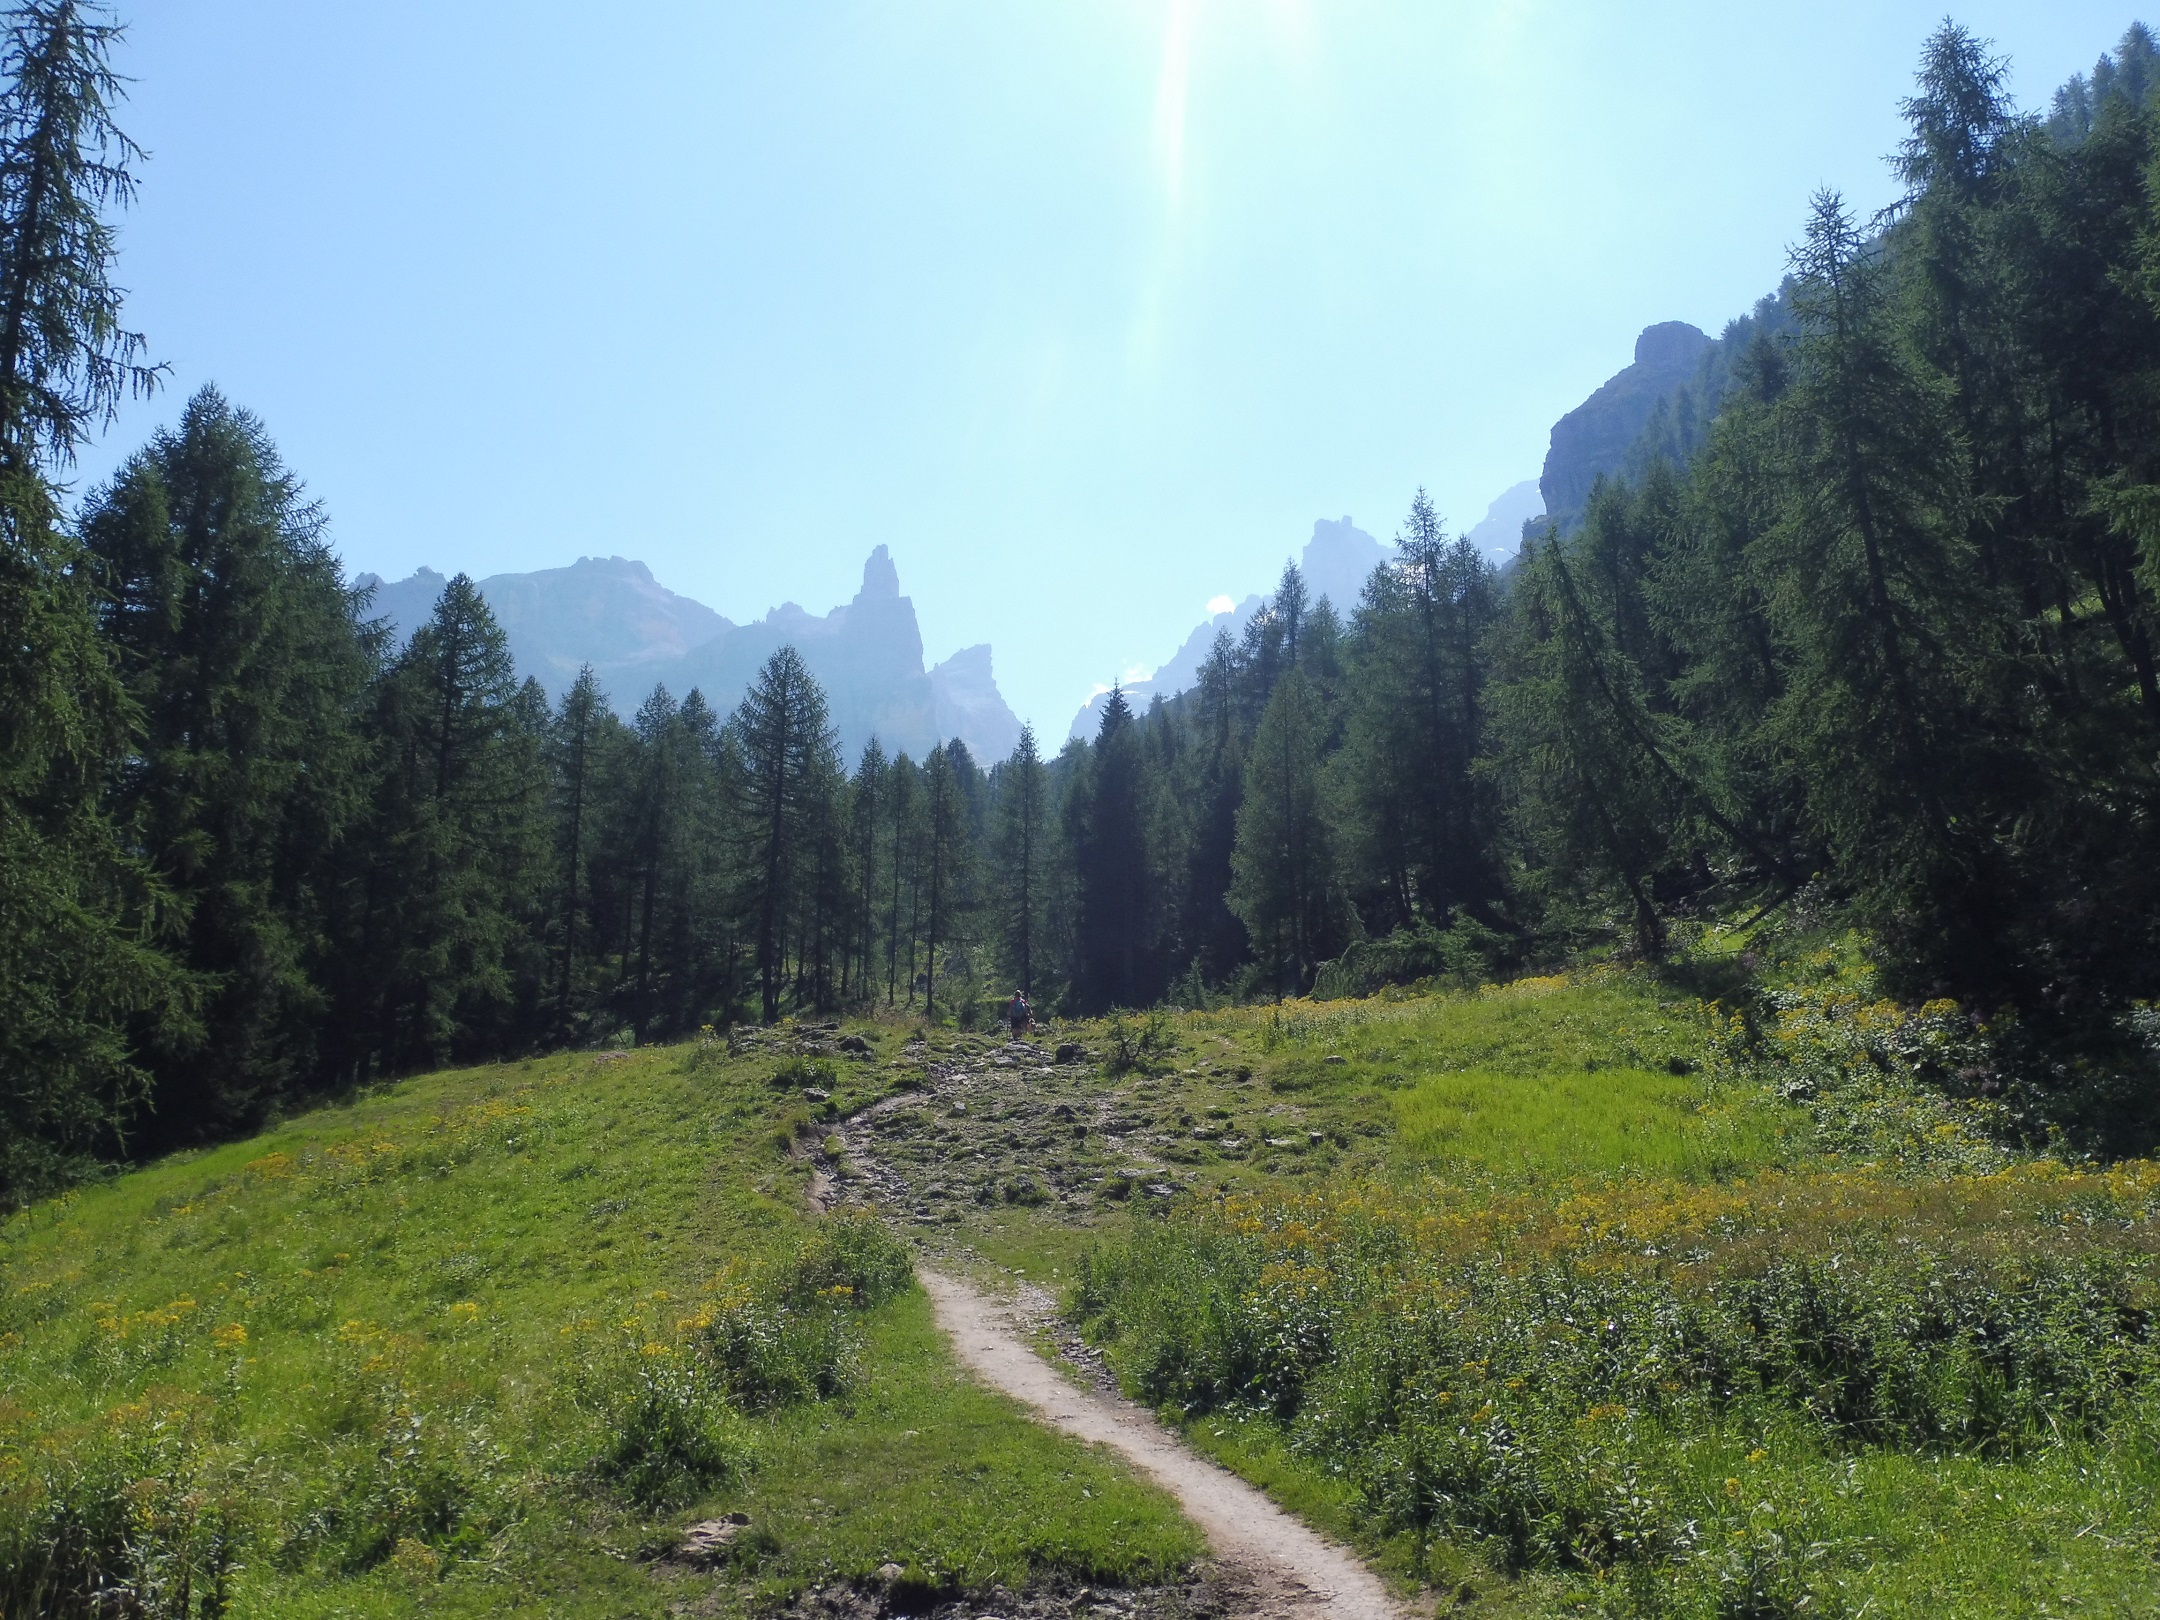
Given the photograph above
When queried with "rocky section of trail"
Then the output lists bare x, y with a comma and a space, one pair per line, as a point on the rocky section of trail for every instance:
1203, 1598
987, 1124
999, 1126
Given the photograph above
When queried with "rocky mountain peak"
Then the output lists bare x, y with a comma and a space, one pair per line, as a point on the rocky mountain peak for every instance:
1594, 439
1671, 346
880, 578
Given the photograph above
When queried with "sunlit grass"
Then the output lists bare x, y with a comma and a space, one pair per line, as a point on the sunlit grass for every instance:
1609, 1122
399, 1309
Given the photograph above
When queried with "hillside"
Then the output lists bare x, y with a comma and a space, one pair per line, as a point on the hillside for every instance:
474, 1344
1718, 1315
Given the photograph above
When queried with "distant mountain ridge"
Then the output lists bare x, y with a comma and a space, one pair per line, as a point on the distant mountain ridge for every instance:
611, 613
1336, 562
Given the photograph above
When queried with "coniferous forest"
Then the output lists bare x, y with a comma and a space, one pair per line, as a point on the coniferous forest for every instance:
1880, 638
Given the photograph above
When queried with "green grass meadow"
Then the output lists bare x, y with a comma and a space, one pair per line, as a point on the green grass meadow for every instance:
359, 1366
1565, 1296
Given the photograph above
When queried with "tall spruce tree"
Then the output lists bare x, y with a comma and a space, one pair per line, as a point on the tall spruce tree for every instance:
1283, 885
584, 745
241, 648
1020, 856
1875, 587
79, 908
453, 883
902, 827
866, 810
1107, 822
1421, 818
788, 753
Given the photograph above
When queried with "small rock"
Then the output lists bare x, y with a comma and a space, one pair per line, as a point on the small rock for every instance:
1334, 1057
1071, 1052
1316, 1136
816, 1094
1162, 1189
1062, 1111
1280, 1141
853, 1043
959, 1107
888, 1573
707, 1542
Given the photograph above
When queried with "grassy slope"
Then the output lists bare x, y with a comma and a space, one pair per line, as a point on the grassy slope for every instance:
1564, 1084
465, 1221
1549, 1087
459, 1247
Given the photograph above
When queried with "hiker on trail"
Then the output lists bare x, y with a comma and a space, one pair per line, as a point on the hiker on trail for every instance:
1019, 1014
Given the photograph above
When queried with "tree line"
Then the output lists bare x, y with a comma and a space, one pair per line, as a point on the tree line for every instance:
1879, 633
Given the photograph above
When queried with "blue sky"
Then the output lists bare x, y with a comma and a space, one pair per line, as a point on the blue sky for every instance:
1087, 308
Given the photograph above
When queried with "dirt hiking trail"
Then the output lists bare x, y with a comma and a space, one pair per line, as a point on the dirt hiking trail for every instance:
953, 1142
1273, 1564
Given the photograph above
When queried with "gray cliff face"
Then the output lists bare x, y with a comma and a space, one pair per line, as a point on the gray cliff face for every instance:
867, 654
965, 702
611, 613
1338, 560
1597, 436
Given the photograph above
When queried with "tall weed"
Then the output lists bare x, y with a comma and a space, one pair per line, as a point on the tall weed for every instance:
1527, 1371
127, 1516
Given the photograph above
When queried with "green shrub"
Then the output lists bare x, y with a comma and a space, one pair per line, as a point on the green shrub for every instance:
124, 1517
668, 1430
1531, 1373
851, 1250
1464, 953
397, 1468
804, 1072
415, 1479
1143, 1044
768, 1354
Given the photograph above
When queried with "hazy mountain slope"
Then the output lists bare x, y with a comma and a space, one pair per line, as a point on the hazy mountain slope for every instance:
867, 654
965, 702
610, 612
1659, 408
1498, 535
1336, 562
